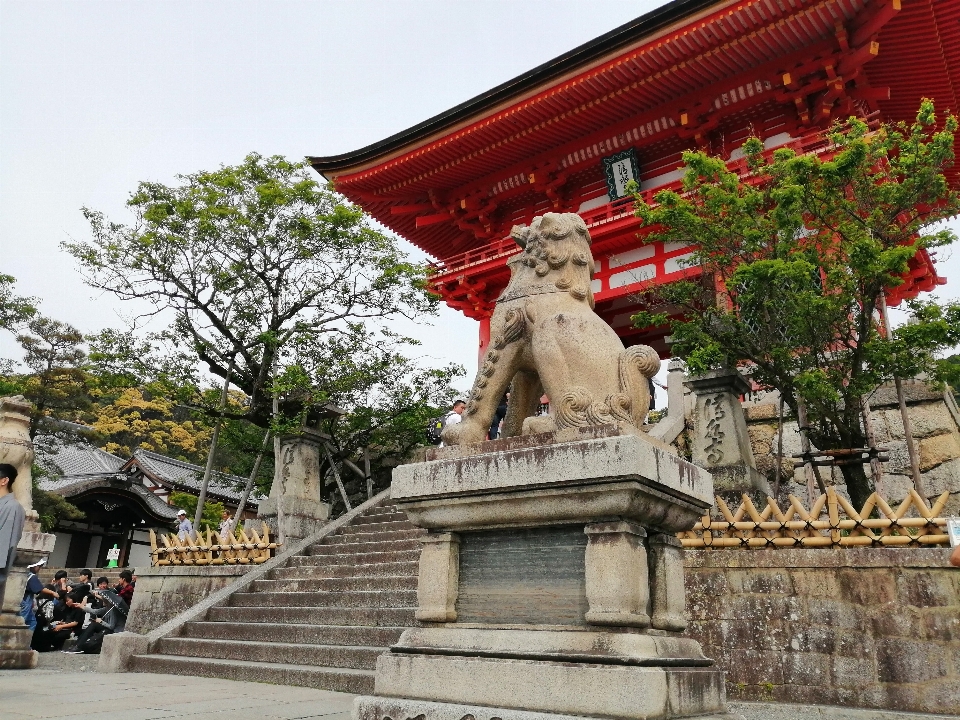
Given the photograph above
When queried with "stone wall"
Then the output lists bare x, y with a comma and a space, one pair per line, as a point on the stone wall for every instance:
935, 421
164, 592
860, 627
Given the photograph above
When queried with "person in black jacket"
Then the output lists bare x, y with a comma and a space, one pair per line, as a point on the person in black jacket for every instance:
110, 618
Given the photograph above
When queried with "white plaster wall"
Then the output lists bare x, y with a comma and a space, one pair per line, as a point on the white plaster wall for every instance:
94, 553
58, 557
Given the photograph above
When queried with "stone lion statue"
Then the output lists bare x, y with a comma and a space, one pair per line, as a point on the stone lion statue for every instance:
546, 337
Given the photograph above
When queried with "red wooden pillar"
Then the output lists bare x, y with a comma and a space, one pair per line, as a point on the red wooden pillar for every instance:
484, 339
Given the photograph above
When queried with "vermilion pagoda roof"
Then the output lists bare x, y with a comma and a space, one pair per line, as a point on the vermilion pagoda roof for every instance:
693, 73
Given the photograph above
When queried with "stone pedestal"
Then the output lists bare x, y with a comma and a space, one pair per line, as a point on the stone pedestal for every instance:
549, 585
720, 442
15, 636
294, 509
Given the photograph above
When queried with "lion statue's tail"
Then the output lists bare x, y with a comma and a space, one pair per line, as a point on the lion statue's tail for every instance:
638, 363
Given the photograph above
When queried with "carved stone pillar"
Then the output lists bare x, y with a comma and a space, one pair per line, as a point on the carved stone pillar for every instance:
16, 447
439, 578
17, 450
617, 582
666, 583
721, 443
294, 508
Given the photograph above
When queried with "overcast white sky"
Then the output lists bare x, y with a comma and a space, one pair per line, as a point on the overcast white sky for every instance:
97, 96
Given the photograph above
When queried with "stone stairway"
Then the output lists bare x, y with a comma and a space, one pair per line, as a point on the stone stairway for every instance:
319, 621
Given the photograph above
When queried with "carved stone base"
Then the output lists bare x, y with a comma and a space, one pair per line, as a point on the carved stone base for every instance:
553, 688
15, 637
388, 708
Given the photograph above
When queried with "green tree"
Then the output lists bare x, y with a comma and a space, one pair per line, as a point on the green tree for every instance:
212, 511
14, 309
52, 507
795, 256
387, 397
251, 259
58, 385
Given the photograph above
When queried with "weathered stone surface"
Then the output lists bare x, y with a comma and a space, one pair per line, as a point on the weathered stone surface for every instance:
928, 418
546, 338
938, 449
16, 448
166, 591
118, 650
720, 440
563, 688
439, 577
591, 646
371, 708
600, 460
863, 627
294, 509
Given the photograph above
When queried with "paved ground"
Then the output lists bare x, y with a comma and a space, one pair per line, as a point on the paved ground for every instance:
68, 687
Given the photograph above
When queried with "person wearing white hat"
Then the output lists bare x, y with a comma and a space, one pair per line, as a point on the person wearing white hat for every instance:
33, 588
184, 527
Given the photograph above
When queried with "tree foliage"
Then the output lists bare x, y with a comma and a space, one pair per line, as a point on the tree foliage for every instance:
795, 256
56, 384
15, 310
251, 259
212, 511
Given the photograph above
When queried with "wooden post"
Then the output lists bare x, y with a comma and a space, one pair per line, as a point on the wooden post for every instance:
366, 470
776, 483
336, 475
213, 451
805, 446
250, 480
907, 427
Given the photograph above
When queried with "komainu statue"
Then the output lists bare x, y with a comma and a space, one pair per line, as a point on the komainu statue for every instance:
546, 337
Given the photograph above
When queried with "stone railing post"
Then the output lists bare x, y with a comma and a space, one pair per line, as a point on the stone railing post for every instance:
294, 509
720, 440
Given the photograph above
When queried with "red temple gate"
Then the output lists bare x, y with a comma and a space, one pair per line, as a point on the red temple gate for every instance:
692, 74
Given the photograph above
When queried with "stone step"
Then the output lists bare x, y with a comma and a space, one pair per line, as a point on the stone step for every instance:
369, 570
357, 599
373, 526
357, 617
346, 680
365, 558
331, 656
288, 633
363, 548
397, 582
382, 511
343, 538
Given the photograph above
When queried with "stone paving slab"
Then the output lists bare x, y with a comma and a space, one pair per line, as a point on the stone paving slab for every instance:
67, 687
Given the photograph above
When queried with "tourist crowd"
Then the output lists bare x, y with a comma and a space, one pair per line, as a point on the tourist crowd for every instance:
78, 609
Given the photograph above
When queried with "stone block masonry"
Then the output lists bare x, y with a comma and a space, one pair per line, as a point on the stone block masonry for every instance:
162, 593
859, 627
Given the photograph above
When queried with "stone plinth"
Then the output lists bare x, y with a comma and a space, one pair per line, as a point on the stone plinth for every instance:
15, 636
550, 584
720, 441
294, 509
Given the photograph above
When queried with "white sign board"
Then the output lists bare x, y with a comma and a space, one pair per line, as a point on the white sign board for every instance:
113, 554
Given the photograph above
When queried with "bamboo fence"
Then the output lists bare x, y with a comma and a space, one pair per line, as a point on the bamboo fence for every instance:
213, 548
831, 522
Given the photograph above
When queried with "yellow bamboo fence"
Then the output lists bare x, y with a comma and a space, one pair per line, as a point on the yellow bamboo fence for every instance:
213, 548
831, 522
